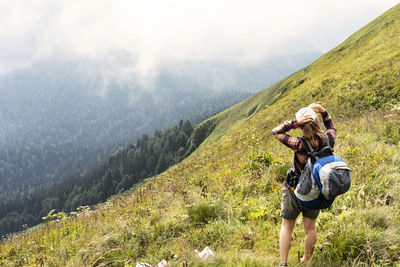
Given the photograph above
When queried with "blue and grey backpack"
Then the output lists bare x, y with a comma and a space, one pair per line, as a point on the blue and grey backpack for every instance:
324, 177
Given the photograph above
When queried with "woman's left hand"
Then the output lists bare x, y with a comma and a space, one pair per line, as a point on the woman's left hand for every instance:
317, 108
304, 120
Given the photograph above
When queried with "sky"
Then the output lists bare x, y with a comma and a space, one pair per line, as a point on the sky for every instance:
155, 32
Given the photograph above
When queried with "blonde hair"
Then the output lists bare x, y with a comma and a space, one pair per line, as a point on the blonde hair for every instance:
312, 131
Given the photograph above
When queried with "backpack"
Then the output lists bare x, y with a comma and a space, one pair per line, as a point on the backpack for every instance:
324, 177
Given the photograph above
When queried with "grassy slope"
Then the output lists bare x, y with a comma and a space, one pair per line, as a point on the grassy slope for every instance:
227, 195
239, 113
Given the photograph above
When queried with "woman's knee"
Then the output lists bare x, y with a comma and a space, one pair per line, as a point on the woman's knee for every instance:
288, 224
309, 225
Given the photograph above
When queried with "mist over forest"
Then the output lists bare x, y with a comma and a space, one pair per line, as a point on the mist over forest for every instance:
63, 117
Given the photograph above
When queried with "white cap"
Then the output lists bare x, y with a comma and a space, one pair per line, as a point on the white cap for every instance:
306, 112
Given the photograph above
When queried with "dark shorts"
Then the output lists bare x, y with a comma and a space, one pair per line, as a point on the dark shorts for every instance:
290, 209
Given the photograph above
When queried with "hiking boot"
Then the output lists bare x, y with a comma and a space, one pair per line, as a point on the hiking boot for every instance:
282, 265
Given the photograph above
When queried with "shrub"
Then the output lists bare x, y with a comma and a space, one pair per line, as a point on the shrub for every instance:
217, 233
255, 162
391, 133
279, 171
368, 240
163, 231
375, 218
206, 211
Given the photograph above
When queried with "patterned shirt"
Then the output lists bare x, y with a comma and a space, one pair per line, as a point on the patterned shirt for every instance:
300, 153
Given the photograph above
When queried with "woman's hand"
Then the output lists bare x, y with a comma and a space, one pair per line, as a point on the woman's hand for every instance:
317, 108
303, 120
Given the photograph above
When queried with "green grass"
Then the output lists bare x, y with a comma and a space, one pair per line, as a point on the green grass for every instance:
227, 194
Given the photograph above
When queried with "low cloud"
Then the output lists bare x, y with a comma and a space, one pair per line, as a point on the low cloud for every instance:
156, 32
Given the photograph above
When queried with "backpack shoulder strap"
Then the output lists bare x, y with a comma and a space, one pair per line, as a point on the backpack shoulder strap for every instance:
327, 141
309, 149
307, 145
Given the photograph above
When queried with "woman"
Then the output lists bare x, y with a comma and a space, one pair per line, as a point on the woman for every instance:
290, 209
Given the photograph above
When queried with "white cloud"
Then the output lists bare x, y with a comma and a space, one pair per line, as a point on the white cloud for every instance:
157, 31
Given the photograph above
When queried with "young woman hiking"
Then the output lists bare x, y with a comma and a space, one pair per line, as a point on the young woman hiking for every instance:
306, 120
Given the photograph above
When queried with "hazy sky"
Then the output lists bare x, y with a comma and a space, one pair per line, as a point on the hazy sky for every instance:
157, 31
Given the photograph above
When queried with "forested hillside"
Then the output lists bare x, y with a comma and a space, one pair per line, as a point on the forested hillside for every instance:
127, 167
226, 195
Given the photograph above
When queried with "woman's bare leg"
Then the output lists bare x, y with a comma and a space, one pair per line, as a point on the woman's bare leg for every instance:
311, 237
285, 238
